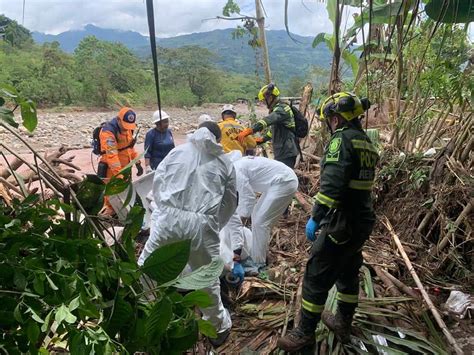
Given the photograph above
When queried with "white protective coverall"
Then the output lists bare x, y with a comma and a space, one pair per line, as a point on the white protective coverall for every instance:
277, 183
194, 189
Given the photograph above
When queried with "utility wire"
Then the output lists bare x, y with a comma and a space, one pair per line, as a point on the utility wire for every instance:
151, 30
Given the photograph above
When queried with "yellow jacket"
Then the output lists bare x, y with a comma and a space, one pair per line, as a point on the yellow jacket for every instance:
230, 129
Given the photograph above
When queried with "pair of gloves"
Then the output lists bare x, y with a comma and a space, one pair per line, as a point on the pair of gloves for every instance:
311, 228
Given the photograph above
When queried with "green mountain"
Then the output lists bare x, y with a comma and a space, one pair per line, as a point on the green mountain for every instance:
287, 58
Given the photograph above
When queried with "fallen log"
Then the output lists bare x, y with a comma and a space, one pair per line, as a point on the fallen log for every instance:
14, 164
420, 286
307, 207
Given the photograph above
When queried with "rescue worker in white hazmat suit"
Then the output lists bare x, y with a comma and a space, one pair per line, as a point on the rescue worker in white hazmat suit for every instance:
194, 189
277, 183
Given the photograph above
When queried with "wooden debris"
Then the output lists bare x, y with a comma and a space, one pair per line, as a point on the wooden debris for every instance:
420, 286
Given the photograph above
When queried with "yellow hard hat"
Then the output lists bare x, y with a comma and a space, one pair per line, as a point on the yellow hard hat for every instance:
267, 90
346, 104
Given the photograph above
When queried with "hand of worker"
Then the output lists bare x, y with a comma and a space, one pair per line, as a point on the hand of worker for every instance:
139, 169
246, 132
311, 228
238, 271
148, 169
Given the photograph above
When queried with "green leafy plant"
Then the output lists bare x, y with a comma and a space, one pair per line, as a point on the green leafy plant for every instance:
27, 108
62, 287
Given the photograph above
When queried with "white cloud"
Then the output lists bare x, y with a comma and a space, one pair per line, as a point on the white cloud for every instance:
172, 17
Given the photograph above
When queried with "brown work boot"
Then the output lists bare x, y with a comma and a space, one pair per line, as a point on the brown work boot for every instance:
339, 324
295, 340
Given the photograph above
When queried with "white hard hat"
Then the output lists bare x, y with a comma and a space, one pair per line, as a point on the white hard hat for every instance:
228, 107
204, 118
156, 116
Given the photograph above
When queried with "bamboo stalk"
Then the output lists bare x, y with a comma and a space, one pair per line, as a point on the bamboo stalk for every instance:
400, 284
420, 286
467, 209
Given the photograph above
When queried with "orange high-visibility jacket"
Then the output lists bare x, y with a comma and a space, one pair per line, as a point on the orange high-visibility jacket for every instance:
112, 142
230, 129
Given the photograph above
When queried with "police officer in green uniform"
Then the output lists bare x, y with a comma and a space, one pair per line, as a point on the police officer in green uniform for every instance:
343, 211
282, 123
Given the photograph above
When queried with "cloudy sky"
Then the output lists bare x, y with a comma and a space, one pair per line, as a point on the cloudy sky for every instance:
173, 17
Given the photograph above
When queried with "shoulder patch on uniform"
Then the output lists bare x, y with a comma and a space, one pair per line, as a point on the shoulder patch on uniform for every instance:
335, 145
110, 142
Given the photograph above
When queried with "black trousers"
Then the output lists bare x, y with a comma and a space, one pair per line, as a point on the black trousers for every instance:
289, 162
330, 264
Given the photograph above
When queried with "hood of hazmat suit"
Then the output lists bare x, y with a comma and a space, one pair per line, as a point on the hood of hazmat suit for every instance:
194, 189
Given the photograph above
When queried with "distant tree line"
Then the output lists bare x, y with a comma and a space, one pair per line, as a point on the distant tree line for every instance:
101, 73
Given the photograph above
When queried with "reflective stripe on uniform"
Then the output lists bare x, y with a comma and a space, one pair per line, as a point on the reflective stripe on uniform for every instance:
111, 151
361, 144
326, 200
115, 165
263, 123
335, 241
361, 184
347, 298
313, 308
289, 111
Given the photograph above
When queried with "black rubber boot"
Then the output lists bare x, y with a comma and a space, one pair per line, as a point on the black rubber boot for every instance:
302, 336
340, 324
221, 338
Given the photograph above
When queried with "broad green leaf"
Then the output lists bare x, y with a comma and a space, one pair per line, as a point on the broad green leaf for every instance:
203, 277
63, 314
133, 224
158, 320
19, 280
453, 11
206, 328
32, 331
90, 193
351, 59
9, 91
38, 284
167, 262
325, 38
122, 313
118, 183
28, 114
197, 298
35, 316
381, 14
17, 314
51, 283
47, 320
331, 8
182, 335
74, 304
7, 116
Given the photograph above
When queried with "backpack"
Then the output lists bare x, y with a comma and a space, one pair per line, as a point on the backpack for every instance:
95, 143
301, 123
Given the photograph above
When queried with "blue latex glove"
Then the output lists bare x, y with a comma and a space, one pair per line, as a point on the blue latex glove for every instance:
238, 271
311, 228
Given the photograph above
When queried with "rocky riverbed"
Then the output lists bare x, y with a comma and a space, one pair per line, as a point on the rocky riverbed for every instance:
73, 128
